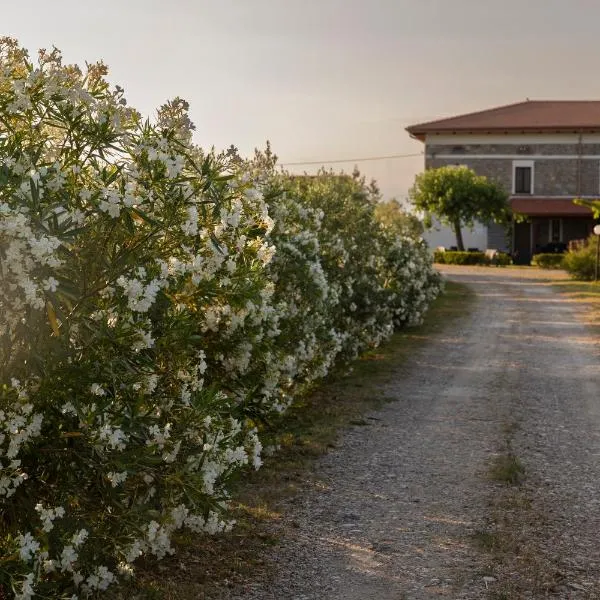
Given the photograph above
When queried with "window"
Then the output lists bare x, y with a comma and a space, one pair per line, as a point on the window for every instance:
522, 180
555, 233
523, 177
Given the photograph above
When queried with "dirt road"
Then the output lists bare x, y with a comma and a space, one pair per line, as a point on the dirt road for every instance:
420, 505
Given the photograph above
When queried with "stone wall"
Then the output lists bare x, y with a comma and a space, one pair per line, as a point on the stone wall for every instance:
552, 176
498, 169
520, 150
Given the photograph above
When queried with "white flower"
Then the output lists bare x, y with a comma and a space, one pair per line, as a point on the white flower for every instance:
68, 409
158, 437
27, 592
50, 284
48, 515
135, 551
100, 579
158, 540
28, 546
79, 538
113, 436
179, 514
145, 340
97, 390
49, 566
68, 558
116, 478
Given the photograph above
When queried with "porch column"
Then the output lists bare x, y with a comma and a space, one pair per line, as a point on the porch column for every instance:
531, 238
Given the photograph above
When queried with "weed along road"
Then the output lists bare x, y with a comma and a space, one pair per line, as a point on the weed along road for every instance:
480, 478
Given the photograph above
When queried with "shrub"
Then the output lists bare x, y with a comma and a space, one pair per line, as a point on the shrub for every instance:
548, 261
124, 252
501, 259
581, 263
157, 304
451, 257
393, 216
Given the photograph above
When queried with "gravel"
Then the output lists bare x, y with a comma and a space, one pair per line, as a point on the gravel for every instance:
395, 510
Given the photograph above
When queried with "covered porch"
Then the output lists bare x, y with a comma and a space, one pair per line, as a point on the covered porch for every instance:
551, 224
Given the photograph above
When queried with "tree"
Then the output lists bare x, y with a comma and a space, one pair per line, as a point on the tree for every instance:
458, 197
392, 216
594, 205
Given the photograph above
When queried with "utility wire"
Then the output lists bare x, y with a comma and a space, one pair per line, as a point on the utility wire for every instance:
349, 160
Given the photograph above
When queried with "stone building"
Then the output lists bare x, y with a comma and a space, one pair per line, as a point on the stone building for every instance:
544, 153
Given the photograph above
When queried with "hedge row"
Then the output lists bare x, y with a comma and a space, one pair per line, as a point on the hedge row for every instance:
470, 258
158, 304
548, 260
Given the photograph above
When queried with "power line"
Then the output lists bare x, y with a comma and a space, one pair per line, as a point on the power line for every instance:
349, 160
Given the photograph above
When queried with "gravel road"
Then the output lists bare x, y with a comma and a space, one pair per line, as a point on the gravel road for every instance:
405, 508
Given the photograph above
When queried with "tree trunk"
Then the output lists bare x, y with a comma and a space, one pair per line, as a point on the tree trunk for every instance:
459, 238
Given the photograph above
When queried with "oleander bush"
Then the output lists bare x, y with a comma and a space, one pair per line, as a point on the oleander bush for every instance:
581, 262
157, 304
548, 260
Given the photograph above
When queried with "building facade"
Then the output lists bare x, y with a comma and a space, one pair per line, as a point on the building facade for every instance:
544, 154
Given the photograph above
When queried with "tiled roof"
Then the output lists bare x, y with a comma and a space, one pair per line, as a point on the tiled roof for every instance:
530, 116
556, 207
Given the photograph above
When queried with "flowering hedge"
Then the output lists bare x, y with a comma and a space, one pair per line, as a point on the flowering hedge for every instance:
157, 303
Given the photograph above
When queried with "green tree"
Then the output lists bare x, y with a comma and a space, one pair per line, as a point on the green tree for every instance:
392, 216
594, 205
458, 197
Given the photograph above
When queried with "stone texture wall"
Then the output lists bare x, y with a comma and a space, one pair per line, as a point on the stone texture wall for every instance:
559, 177
522, 150
552, 176
498, 169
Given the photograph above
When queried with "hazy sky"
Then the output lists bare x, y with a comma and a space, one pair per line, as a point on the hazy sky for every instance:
325, 79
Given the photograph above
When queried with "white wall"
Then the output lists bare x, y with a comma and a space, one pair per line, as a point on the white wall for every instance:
440, 235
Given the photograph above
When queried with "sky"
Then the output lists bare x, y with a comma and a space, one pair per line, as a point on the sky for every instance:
325, 79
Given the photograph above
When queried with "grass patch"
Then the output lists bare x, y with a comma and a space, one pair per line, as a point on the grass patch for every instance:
510, 428
586, 294
208, 567
507, 468
491, 541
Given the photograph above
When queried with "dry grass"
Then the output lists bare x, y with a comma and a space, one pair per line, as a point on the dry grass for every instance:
586, 295
524, 567
519, 563
206, 568
508, 469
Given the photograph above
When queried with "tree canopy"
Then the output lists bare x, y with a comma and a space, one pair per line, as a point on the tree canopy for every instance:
458, 197
594, 205
392, 216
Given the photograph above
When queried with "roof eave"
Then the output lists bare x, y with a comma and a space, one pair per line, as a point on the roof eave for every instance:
420, 134
416, 136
